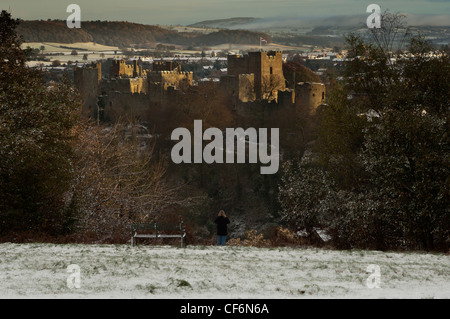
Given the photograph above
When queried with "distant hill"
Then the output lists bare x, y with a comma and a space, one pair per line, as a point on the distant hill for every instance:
230, 23
51, 31
126, 34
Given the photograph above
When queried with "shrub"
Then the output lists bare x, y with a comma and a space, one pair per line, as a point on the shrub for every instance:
253, 239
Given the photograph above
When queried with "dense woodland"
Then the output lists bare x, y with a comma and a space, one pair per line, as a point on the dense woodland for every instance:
371, 167
125, 34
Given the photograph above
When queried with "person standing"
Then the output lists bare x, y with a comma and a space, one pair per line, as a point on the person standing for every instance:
222, 229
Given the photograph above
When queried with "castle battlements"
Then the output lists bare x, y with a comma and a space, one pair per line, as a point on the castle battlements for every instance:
272, 55
172, 72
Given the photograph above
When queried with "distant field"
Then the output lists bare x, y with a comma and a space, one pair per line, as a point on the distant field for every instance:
255, 47
63, 47
94, 51
187, 29
107, 271
94, 47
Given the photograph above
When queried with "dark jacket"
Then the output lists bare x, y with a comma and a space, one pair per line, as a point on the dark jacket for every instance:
222, 222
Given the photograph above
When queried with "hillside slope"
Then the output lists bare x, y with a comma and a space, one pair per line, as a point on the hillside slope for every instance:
224, 23
126, 34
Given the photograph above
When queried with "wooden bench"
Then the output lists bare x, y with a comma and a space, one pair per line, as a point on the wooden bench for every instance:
157, 230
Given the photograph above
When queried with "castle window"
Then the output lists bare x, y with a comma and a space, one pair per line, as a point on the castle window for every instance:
323, 95
271, 70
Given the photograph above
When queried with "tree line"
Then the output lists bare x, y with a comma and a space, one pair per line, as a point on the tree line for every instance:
126, 34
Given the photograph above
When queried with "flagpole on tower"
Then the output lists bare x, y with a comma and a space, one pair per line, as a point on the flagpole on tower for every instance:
260, 43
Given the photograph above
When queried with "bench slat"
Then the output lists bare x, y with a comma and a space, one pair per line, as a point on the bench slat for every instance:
159, 236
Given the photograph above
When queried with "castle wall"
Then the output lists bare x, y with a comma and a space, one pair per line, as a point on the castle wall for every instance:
124, 85
160, 97
286, 98
125, 106
171, 78
159, 66
240, 87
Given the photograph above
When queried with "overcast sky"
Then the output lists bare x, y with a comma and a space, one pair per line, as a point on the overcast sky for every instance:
191, 11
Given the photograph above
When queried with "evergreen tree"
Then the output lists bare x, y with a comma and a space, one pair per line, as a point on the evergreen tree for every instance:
35, 135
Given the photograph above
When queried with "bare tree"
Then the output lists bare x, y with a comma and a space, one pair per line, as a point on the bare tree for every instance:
119, 179
270, 86
393, 34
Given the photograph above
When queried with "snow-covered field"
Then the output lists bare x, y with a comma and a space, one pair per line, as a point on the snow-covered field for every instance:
108, 271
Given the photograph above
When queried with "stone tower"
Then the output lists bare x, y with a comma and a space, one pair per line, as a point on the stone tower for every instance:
87, 81
267, 68
309, 96
119, 68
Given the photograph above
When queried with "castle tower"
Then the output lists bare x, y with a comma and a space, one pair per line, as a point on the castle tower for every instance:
267, 68
87, 81
309, 96
119, 68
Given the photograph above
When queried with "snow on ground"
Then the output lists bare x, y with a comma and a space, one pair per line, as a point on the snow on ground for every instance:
122, 271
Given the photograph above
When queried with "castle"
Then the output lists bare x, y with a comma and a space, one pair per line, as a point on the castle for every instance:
253, 79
